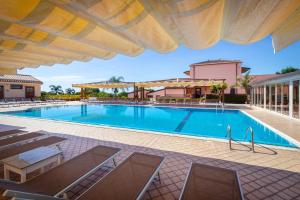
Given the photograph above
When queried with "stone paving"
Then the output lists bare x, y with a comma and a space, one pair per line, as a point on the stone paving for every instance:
270, 173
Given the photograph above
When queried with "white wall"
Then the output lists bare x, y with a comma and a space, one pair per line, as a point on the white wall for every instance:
20, 93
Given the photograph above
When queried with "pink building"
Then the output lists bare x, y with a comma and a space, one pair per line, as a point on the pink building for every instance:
229, 70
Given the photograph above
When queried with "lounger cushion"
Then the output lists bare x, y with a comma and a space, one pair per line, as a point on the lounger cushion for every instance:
211, 183
19, 138
127, 180
10, 133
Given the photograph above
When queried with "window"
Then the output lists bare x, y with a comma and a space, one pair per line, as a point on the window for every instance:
16, 87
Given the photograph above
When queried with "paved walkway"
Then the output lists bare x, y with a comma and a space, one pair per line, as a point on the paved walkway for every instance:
288, 126
267, 174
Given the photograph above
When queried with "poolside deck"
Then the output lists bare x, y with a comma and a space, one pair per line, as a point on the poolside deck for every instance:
267, 174
291, 127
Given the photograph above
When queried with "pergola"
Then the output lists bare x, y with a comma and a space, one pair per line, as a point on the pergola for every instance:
178, 82
47, 32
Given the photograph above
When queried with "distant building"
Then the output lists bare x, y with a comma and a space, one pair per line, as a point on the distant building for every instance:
229, 70
278, 93
19, 86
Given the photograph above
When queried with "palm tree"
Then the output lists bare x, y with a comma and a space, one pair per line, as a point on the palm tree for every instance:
244, 82
56, 89
70, 91
115, 79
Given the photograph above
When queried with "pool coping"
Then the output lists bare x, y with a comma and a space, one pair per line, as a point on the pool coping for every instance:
295, 142
285, 136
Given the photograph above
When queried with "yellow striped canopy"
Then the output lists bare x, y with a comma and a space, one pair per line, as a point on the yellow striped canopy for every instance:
179, 82
46, 32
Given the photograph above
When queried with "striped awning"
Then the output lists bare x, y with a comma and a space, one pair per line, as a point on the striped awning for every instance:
46, 32
179, 82
104, 84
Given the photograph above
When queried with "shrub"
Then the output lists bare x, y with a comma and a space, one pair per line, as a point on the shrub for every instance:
235, 98
66, 97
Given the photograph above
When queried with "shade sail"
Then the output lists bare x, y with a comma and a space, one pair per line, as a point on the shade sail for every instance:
179, 82
104, 84
60, 31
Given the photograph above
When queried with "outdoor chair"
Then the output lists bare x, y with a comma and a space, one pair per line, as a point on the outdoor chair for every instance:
4, 143
211, 183
49, 141
10, 133
129, 180
58, 180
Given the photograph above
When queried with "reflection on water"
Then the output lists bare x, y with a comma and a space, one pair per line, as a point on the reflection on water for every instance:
83, 109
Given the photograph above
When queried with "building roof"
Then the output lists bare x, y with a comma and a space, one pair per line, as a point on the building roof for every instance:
188, 72
259, 79
80, 30
19, 78
215, 62
218, 61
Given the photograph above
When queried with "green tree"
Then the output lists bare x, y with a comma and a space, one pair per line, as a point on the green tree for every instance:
115, 79
287, 70
70, 91
56, 89
244, 82
123, 94
218, 89
92, 92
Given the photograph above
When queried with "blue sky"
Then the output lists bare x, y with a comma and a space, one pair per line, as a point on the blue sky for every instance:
150, 65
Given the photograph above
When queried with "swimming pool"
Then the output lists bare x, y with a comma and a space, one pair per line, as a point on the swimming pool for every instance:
183, 121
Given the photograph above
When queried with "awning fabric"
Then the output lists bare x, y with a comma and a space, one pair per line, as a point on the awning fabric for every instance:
104, 85
179, 82
45, 32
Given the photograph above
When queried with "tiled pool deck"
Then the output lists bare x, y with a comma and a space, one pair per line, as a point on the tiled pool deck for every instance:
267, 174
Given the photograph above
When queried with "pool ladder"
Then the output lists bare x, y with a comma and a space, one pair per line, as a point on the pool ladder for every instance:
249, 130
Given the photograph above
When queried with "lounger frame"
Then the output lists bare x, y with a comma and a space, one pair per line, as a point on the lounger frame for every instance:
87, 174
141, 194
51, 145
44, 135
19, 194
189, 173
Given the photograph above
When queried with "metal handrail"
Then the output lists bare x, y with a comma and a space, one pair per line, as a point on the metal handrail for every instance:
249, 129
228, 135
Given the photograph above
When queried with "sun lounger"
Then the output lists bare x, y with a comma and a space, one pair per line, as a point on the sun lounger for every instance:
8, 133
19, 138
129, 180
61, 178
50, 141
210, 183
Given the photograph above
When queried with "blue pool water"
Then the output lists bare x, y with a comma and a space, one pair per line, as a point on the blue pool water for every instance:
183, 121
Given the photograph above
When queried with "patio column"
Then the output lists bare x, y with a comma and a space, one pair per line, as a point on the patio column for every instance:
254, 96
135, 93
270, 96
142, 93
299, 98
291, 99
281, 98
81, 93
261, 89
276, 97
251, 96
265, 96
257, 96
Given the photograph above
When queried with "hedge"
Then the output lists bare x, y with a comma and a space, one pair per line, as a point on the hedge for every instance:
235, 98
